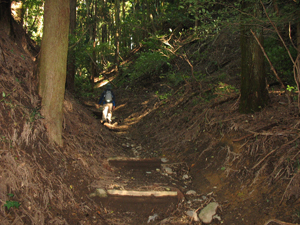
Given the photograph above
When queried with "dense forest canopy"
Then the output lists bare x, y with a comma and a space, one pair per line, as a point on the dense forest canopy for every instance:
103, 34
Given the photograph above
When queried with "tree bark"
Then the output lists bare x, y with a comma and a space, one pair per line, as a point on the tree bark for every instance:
6, 17
94, 53
117, 33
52, 66
105, 21
254, 95
297, 64
70, 81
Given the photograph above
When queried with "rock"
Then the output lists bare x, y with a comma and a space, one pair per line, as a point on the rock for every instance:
217, 217
192, 214
168, 170
101, 193
185, 177
164, 160
207, 213
152, 218
191, 192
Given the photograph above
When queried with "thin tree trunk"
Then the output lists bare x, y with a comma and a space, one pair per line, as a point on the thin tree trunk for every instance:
254, 95
5, 17
297, 65
117, 33
94, 33
125, 37
52, 66
71, 56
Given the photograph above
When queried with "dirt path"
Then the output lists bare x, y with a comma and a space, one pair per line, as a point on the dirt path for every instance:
145, 129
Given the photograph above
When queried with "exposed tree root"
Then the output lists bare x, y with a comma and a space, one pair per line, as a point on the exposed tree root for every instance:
278, 222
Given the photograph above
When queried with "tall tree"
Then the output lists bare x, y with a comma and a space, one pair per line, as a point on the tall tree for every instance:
71, 56
94, 40
105, 18
117, 33
5, 17
254, 95
52, 66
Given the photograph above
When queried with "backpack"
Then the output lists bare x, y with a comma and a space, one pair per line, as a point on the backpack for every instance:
108, 96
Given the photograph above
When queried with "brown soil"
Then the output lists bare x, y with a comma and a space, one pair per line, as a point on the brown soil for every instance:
247, 163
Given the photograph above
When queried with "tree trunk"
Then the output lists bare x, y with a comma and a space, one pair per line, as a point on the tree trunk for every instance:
52, 66
94, 56
297, 64
117, 33
125, 38
70, 86
254, 95
105, 21
6, 17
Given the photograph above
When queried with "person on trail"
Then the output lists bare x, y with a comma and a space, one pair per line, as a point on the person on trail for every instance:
108, 100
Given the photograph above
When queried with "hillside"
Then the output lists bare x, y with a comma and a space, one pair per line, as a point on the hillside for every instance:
247, 163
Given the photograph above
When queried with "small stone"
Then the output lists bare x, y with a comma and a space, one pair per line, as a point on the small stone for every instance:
217, 217
207, 213
101, 193
192, 214
152, 218
92, 195
185, 177
164, 160
191, 192
168, 170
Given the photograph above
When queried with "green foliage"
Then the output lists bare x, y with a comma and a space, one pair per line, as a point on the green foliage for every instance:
280, 60
34, 12
291, 88
9, 204
147, 64
35, 115
226, 88
174, 78
163, 96
83, 85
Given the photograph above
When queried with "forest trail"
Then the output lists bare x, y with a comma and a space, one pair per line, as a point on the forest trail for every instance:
247, 163
197, 173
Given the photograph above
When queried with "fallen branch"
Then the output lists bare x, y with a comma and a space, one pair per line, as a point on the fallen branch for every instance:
255, 132
279, 222
239, 139
224, 101
264, 158
267, 133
